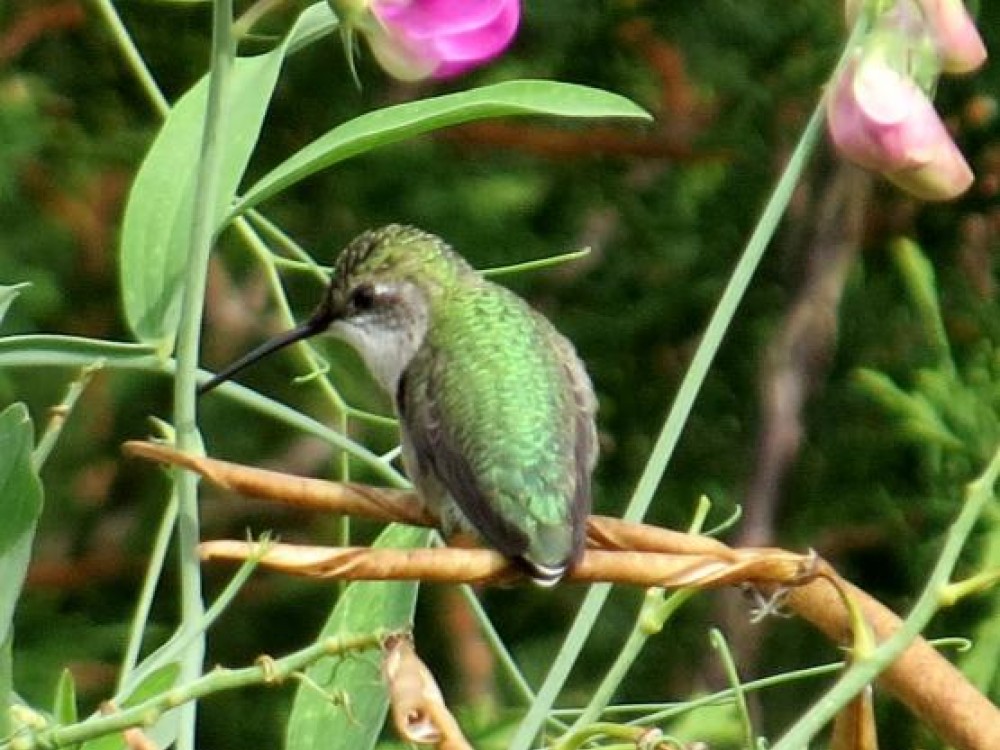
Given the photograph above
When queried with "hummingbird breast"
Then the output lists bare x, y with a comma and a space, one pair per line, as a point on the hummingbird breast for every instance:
498, 425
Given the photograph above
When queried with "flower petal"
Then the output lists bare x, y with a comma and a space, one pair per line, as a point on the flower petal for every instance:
955, 35
468, 49
883, 121
400, 58
432, 18
944, 176
441, 37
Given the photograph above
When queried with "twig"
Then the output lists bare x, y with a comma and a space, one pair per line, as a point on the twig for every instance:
267, 672
357, 500
481, 566
621, 552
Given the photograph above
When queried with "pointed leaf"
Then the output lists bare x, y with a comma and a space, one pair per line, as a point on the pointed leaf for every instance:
6, 684
354, 717
403, 121
20, 506
64, 706
157, 224
8, 294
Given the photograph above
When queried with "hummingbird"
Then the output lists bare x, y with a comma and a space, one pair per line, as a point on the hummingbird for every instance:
496, 410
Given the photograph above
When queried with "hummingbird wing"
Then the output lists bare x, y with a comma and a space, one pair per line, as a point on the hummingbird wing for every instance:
585, 445
498, 412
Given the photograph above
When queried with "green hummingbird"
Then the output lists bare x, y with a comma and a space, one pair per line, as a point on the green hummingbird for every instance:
495, 407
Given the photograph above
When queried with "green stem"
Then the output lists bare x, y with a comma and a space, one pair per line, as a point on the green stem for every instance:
245, 23
580, 737
267, 672
303, 351
132, 57
656, 609
676, 419
60, 414
500, 651
722, 317
154, 568
653, 714
739, 693
863, 671
188, 343
6, 682
300, 258
181, 641
45, 350
694, 377
560, 669
537, 264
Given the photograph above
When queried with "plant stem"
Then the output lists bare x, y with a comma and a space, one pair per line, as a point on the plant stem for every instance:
739, 693
303, 351
154, 569
268, 671
656, 609
537, 264
863, 671
500, 651
676, 419
60, 414
245, 23
188, 342
132, 56
6, 682
694, 377
47, 350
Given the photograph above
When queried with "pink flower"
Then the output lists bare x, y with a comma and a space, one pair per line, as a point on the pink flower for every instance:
960, 49
959, 45
415, 39
880, 119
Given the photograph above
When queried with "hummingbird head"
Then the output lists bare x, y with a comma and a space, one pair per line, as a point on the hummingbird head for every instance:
379, 300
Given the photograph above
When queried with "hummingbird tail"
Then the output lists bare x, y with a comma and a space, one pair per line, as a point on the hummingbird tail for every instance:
545, 576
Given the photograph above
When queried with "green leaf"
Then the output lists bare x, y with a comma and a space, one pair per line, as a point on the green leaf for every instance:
354, 717
6, 684
64, 705
402, 121
7, 295
157, 224
20, 506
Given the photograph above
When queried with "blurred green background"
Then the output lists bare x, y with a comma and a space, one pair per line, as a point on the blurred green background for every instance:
665, 208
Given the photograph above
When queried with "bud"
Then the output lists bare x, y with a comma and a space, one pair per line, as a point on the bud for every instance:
883, 121
879, 111
959, 45
417, 39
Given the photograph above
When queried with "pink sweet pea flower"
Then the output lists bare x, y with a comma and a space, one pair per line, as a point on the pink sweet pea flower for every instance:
415, 39
880, 119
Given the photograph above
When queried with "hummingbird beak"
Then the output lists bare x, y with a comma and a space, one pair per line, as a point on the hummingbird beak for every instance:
317, 323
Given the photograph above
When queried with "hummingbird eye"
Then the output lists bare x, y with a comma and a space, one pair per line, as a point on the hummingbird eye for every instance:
363, 298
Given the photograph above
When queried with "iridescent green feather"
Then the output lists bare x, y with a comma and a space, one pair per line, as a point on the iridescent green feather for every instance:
497, 410
491, 410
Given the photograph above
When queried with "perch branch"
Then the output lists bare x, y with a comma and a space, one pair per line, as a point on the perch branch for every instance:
620, 552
